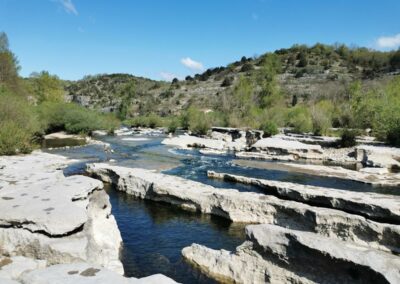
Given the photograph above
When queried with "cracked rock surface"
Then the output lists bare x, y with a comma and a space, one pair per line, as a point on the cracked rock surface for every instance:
47, 216
273, 254
372, 205
24, 270
249, 207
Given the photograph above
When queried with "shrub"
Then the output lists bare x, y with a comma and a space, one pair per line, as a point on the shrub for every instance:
269, 128
322, 114
227, 81
173, 125
18, 124
247, 67
14, 139
300, 119
74, 118
150, 121
196, 121
348, 138
393, 135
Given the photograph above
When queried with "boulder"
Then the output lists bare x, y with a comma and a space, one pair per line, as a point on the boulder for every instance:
278, 146
274, 254
248, 207
379, 207
378, 156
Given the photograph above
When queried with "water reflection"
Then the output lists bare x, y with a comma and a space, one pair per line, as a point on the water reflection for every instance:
155, 233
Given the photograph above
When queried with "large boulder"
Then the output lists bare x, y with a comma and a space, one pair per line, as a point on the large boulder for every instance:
378, 156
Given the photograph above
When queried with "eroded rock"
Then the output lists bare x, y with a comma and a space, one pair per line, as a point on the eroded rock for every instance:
248, 207
375, 206
296, 149
381, 157
44, 215
274, 254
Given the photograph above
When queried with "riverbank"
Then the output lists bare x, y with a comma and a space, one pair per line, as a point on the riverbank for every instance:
50, 220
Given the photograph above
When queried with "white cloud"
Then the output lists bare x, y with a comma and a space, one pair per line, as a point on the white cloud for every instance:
168, 76
192, 64
68, 6
388, 41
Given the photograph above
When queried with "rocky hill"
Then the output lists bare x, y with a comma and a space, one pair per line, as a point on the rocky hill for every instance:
309, 73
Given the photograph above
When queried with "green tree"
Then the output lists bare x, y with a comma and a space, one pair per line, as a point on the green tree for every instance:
9, 66
270, 92
47, 87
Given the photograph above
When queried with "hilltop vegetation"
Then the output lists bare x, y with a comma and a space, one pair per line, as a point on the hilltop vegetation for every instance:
31, 108
311, 89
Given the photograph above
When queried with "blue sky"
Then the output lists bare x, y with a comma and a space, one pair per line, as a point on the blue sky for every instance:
166, 38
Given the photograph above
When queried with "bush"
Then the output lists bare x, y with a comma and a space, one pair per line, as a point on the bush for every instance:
18, 124
247, 67
196, 121
74, 119
348, 138
269, 128
227, 81
393, 135
173, 125
150, 121
14, 139
299, 118
322, 114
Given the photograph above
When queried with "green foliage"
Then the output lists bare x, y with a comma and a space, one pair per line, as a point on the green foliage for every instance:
73, 118
47, 88
196, 121
393, 134
18, 124
173, 125
270, 92
322, 114
247, 67
348, 138
227, 81
150, 121
300, 119
269, 128
8, 65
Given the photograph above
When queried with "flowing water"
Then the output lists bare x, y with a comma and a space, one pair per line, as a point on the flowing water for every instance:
155, 233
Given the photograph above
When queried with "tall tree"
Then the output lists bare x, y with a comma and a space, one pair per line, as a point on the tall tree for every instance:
8, 65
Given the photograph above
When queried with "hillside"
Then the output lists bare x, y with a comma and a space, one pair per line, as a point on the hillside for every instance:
308, 73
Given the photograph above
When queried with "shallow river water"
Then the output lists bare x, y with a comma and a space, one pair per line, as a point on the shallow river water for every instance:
155, 233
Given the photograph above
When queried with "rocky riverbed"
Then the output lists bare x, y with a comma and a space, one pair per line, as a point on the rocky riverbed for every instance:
307, 220
55, 228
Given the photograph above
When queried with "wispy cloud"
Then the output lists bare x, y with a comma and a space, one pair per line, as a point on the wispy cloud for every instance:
68, 6
388, 41
192, 64
167, 76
